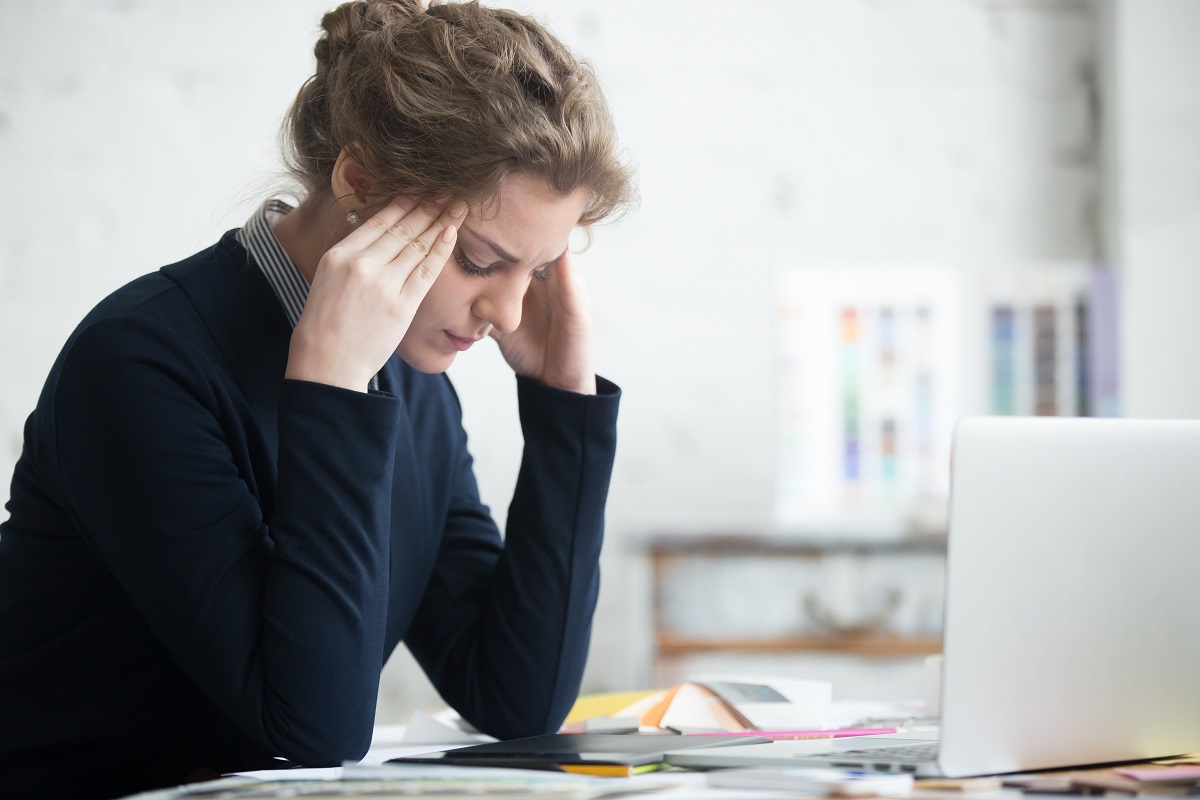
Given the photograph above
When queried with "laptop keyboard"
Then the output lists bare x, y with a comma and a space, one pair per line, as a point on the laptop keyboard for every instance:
921, 753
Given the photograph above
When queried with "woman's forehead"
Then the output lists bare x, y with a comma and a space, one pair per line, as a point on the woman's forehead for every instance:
528, 220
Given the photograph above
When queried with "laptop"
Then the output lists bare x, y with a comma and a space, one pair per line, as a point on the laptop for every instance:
1072, 619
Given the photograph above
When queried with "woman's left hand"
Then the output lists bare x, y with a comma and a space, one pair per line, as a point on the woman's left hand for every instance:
553, 343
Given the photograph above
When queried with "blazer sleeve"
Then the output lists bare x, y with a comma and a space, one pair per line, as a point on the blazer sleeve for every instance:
278, 620
503, 631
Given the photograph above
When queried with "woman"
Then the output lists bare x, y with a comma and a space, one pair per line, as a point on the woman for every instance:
246, 479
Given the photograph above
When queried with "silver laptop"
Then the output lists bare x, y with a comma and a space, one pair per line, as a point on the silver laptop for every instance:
1072, 624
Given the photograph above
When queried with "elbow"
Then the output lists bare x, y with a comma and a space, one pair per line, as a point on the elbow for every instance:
518, 715
327, 753
322, 745
515, 725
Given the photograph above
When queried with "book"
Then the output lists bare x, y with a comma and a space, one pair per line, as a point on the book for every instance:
715, 704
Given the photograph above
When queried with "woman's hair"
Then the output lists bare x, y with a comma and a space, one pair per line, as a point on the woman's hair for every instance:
450, 101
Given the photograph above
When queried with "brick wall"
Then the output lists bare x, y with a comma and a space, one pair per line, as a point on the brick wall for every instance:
133, 133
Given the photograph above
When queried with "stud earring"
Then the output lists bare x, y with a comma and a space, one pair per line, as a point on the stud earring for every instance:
352, 218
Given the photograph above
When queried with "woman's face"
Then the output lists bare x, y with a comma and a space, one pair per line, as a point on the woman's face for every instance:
483, 284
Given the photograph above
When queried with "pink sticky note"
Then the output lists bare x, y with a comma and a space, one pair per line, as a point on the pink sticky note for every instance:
1180, 772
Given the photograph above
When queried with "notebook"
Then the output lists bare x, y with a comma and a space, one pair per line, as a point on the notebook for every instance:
1072, 604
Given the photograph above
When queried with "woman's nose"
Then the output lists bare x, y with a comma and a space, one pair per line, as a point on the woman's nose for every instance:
501, 304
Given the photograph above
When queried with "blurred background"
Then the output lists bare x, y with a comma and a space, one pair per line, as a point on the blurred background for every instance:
860, 220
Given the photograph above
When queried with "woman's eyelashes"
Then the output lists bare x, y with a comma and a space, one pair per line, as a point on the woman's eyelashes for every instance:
471, 268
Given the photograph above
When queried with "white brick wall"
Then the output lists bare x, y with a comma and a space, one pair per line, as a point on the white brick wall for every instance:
133, 133
1154, 208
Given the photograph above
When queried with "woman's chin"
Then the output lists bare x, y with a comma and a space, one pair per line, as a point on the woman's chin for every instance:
426, 360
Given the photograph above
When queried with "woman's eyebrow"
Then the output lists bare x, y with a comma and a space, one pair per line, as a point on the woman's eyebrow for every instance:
504, 254
500, 251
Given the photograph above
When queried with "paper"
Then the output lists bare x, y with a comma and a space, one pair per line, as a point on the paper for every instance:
769, 703
425, 729
1179, 772
695, 706
714, 703
608, 704
612, 725
444, 783
816, 781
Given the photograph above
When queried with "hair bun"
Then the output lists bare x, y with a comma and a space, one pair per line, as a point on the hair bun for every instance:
345, 24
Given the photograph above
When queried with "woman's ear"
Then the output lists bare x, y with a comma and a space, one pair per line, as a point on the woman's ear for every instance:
349, 182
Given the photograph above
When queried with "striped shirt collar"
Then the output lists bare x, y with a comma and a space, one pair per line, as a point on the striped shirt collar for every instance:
285, 277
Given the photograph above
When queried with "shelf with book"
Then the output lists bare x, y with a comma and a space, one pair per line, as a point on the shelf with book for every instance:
775, 593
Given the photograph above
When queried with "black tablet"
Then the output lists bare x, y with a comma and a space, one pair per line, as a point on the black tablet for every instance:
631, 750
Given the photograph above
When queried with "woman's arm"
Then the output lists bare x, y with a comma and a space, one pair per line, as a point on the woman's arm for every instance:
503, 635
271, 598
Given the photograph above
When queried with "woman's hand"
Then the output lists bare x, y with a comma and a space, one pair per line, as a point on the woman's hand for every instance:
553, 343
366, 290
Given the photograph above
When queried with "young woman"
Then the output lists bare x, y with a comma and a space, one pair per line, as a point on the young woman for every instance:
246, 480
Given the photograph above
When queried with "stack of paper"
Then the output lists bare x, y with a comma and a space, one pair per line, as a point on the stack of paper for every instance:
709, 703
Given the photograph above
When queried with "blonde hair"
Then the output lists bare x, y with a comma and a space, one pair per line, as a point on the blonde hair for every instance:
450, 101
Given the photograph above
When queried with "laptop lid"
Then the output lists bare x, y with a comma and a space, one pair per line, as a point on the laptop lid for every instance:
1071, 606
1072, 596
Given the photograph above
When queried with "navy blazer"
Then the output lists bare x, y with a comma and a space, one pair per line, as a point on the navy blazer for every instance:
206, 564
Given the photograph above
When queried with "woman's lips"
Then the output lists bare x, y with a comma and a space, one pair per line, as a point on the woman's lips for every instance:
458, 342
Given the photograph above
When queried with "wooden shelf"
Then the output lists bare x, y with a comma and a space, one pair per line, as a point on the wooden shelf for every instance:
674, 645
667, 551
725, 545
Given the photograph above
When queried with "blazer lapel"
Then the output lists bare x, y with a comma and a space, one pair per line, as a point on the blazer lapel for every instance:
248, 326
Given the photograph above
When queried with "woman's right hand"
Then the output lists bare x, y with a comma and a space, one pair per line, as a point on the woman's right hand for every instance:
366, 290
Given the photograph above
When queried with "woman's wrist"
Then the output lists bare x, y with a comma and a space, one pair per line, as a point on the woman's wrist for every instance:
586, 386
579, 384
306, 365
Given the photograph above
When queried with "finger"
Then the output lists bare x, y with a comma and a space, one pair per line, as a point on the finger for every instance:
557, 276
422, 276
560, 267
392, 239
571, 291
379, 222
409, 257
546, 286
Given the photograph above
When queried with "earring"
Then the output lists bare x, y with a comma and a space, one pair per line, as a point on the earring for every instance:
352, 218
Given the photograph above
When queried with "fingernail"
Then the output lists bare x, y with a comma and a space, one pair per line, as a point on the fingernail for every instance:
449, 234
458, 209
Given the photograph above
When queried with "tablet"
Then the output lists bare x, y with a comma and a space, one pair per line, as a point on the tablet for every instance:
553, 749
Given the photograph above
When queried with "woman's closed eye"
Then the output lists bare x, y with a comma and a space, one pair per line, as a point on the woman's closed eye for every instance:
471, 268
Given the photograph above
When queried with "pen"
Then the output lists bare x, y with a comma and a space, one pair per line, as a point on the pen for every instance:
831, 733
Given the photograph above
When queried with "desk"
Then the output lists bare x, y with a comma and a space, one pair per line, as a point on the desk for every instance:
387, 743
676, 784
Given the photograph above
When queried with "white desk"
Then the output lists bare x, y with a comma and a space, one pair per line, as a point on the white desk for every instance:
388, 743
